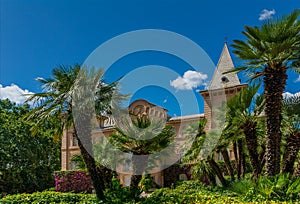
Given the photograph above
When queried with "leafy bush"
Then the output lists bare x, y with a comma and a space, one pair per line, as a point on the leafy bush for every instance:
119, 194
73, 181
197, 192
79, 163
147, 183
49, 197
28, 155
242, 187
186, 192
192, 192
277, 188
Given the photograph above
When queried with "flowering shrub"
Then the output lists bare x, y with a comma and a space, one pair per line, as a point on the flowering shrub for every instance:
73, 181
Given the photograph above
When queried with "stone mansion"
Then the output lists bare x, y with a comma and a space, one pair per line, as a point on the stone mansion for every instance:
229, 83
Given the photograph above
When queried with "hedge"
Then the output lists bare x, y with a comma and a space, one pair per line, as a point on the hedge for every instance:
192, 192
47, 197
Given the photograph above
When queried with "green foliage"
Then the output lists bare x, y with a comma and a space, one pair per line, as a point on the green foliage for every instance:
104, 155
28, 158
55, 100
200, 170
242, 187
140, 138
119, 194
143, 136
291, 115
69, 85
193, 153
269, 51
245, 191
79, 163
242, 109
147, 183
277, 188
192, 192
280, 187
50, 197
274, 43
244, 106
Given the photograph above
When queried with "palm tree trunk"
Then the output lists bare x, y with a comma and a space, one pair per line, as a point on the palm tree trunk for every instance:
212, 179
274, 84
242, 157
243, 164
106, 174
291, 152
217, 171
227, 163
251, 142
297, 170
262, 158
236, 156
85, 145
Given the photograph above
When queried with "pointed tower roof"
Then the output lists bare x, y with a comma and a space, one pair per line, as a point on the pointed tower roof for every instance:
220, 80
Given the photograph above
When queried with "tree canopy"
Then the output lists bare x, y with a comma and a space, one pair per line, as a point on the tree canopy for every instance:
27, 159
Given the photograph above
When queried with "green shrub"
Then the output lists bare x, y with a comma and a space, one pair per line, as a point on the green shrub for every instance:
242, 187
119, 194
49, 197
192, 192
79, 163
197, 192
268, 190
277, 188
147, 183
27, 158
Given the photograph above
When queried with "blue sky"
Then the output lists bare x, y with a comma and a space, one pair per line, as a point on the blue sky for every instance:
38, 35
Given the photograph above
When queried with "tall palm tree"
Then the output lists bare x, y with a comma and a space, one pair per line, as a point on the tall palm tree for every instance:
269, 51
200, 167
234, 135
205, 165
222, 147
242, 116
56, 100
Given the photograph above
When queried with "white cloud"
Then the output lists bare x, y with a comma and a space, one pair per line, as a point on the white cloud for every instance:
288, 94
298, 79
14, 93
190, 80
266, 14
39, 78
